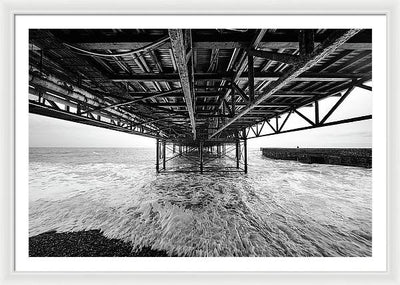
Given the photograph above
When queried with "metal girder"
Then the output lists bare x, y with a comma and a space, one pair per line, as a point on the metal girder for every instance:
206, 94
317, 96
76, 97
244, 61
275, 56
241, 93
306, 41
308, 61
363, 86
234, 42
271, 76
84, 98
179, 49
264, 105
158, 94
330, 112
50, 111
140, 91
345, 121
304, 117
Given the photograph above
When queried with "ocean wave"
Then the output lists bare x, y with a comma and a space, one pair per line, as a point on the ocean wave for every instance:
280, 208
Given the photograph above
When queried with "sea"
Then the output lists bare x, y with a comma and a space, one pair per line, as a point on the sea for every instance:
279, 209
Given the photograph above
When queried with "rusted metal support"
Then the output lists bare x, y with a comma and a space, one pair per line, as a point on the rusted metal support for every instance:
237, 153
324, 50
283, 124
201, 156
163, 154
251, 76
274, 56
241, 93
245, 154
157, 155
233, 102
243, 61
316, 108
179, 49
363, 86
344, 96
286, 42
304, 117
339, 122
217, 76
130, 102
306, 41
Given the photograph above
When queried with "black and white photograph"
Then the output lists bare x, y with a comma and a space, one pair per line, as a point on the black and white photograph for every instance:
161, 142
201, 142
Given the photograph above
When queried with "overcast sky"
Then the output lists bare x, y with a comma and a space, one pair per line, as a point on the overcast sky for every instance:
50, 132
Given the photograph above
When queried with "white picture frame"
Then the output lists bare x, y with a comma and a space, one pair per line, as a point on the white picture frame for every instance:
10, 9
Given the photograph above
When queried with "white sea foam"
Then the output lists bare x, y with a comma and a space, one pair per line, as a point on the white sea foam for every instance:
281, 208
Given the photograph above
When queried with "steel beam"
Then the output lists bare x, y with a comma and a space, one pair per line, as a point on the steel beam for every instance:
345, 121
250, 68
270, 76
163, 154
275, 56
306, 41
49, 111
201, 156
284, 43
316, 110
337, 104
325, 49
157, 155
130, 102
243, 62
245, 154
237, 153
179, 50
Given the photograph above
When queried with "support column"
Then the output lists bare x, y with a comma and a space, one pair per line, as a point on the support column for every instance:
316, 113
237, 153
245, 154
158, 155
163, 144
180, 150
201, 157
250, 64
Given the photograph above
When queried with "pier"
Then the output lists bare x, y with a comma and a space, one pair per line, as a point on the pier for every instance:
200, 93
361, 157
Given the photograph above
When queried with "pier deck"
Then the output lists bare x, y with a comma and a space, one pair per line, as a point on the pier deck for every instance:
196, 87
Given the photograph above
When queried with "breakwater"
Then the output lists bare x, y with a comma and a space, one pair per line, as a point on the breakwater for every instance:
361, 157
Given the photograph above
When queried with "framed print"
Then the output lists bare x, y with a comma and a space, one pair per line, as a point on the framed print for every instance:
248, 144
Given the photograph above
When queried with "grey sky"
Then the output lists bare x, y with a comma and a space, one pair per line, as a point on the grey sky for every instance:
45, 131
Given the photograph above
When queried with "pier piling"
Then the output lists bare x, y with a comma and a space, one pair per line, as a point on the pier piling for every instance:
158, 155
201, 157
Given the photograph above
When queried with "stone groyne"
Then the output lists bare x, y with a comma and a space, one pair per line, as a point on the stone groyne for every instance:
361, 157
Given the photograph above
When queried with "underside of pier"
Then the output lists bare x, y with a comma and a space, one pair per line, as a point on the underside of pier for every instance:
199, 92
